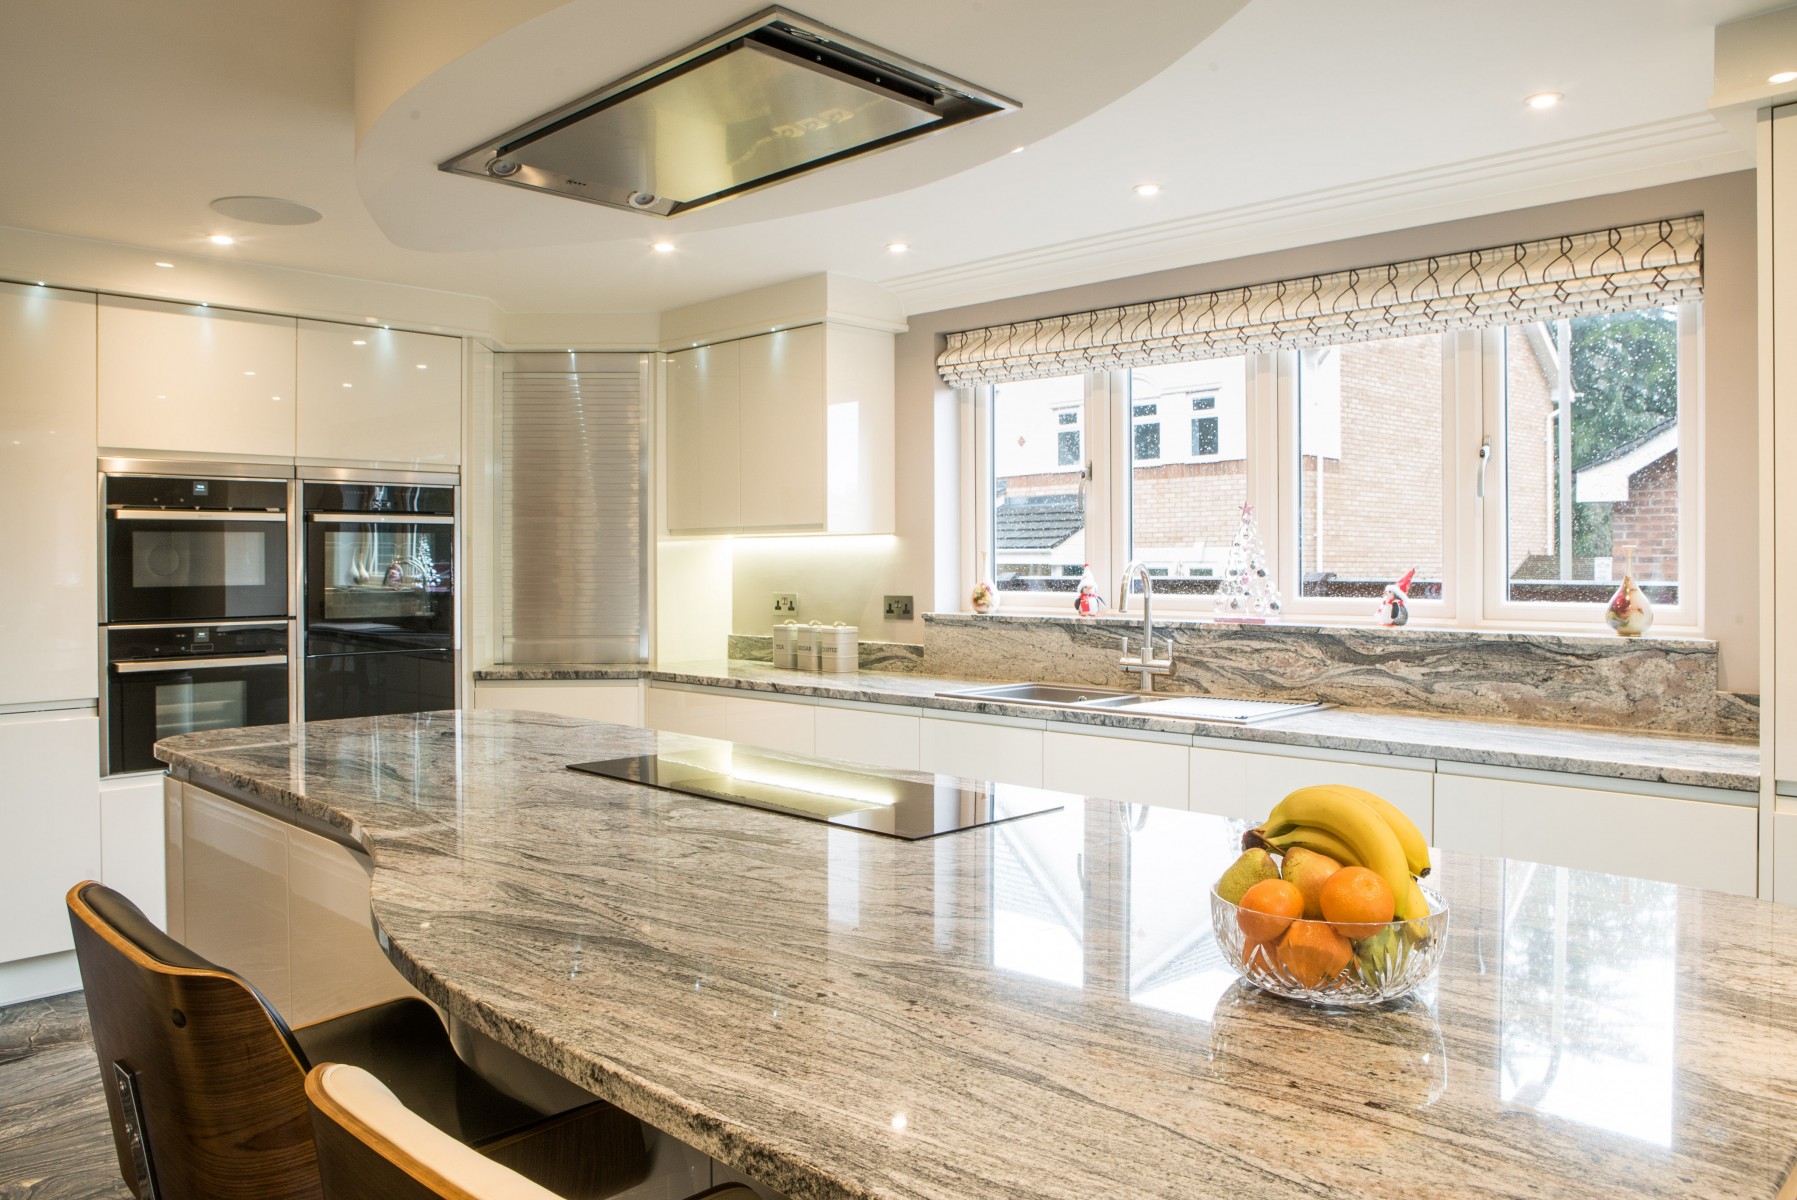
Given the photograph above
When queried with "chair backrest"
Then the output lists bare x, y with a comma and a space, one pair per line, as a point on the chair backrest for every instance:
204, 1082
372, 1147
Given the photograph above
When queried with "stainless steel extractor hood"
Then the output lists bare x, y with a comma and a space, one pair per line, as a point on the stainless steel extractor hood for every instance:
765, 100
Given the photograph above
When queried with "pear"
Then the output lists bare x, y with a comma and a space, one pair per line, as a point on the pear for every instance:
1308, 870
1246, 871
1381, 956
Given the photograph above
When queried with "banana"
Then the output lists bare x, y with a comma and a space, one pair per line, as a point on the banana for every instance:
1356, 824
1283, 838
1416, 847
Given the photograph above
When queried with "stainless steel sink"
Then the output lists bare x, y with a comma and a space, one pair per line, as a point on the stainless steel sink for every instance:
1054, 695
1221, 709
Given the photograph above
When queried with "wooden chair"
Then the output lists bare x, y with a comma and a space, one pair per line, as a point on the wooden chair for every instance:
372, 1147
205, 1082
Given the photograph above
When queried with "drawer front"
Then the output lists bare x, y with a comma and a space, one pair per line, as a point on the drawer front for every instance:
981, 751
1139, 772
1248, 785
879, 739
614, 703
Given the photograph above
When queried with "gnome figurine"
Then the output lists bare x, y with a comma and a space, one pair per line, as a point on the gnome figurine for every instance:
1394, 605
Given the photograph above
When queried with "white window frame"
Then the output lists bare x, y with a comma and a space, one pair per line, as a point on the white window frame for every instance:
1475, 578
1684, 617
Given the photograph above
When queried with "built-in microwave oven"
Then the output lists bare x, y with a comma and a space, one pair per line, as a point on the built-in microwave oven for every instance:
182, 548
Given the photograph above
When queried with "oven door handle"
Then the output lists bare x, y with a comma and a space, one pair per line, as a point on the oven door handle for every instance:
342, 518
200, 664
193, 514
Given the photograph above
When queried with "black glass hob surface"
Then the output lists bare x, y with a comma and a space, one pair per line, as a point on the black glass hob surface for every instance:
911, 805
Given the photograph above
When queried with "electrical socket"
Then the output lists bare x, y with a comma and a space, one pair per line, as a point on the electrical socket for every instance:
898, 608
786, 604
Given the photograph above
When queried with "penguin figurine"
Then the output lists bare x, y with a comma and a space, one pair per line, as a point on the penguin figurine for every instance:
1394, 604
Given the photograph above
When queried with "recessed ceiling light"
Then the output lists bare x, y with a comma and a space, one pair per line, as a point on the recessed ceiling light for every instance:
663, 247
349, 385
897, 247
222, 239
249, 372
265, 210
1017, 149
163, 264
1544, 99
1782, 77
360, 342
1148, 189
422, 367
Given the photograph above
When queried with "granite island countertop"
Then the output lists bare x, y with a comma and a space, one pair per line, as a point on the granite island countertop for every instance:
1578, 750
1036, 1009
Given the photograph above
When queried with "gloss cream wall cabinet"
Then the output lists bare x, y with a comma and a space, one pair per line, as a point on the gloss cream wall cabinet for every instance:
379, 397
785, 432
189, 379
48, 599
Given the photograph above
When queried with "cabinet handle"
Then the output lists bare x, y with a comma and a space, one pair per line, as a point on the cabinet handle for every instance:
200, 664
194, 514
336, 518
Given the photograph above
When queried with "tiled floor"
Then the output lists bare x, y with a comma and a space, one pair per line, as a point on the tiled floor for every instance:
55, 1141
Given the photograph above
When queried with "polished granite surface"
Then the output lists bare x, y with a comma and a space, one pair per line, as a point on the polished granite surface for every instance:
1036, 1009
1607, 753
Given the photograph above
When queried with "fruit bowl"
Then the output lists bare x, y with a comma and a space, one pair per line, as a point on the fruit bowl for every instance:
1384, 962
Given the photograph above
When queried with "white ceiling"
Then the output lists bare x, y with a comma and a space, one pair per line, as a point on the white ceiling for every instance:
1295, 120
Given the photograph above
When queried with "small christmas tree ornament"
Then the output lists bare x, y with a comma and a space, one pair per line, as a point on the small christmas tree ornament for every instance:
1394, 605
1088, 603
1629, 612
1247, 594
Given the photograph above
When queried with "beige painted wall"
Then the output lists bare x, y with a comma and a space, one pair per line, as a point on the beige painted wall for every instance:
919, 562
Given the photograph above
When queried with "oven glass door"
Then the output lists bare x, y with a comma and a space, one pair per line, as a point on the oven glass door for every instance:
194, 566
149, 701
385, 583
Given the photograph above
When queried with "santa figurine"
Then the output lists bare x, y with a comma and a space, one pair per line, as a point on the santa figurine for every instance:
1394, 605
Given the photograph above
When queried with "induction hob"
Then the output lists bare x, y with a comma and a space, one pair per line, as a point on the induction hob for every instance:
911, 805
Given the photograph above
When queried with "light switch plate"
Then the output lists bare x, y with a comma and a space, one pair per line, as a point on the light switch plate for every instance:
786, 604
898, 608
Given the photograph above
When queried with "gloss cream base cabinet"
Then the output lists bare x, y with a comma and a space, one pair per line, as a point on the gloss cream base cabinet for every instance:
785, 432
379, 397
194, 380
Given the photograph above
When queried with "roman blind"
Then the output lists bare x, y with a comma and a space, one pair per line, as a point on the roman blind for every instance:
571, 529
1606, 270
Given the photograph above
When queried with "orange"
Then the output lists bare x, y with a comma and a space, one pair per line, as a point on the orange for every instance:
1357, 901
1268, 908
1257, 954
1313, 953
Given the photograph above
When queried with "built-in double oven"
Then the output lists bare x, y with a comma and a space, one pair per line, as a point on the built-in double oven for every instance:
198, 602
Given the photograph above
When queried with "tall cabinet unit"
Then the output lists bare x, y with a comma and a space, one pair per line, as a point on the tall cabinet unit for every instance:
785, 432
49, 675
1778, 487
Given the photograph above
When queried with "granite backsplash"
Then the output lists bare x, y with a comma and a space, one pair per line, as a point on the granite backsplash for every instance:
1665, 684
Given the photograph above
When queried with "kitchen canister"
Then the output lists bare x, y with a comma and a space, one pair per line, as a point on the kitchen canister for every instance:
786, 644
838, 648
804, 646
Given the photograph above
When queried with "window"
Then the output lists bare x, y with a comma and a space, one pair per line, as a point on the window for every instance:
1183, 512
1038, 515
1591, 449
1363, 460
1147, 431
1369, 468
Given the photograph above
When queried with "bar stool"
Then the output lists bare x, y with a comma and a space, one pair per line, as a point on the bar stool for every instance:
205, 1083
372, 1147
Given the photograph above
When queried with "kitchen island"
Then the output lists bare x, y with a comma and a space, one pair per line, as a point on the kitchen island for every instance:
1032, 1009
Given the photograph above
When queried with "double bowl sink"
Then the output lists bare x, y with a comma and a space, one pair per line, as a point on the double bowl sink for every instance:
1191, 708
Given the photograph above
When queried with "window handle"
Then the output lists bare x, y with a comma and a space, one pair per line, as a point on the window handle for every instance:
1484, 461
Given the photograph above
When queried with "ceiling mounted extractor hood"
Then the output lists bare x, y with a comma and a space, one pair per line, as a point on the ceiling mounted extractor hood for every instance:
765, 100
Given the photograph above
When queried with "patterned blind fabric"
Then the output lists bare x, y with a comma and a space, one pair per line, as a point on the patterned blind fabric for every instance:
1636, 266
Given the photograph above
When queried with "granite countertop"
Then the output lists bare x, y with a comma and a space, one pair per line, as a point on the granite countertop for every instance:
1577, 750
1035, 1009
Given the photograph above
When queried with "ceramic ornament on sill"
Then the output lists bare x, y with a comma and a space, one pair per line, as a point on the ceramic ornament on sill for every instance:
1247, 594
1629, 612
1088, 603
1394, 605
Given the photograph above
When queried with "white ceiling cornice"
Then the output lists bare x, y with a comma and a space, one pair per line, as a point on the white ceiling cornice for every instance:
1661, 152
